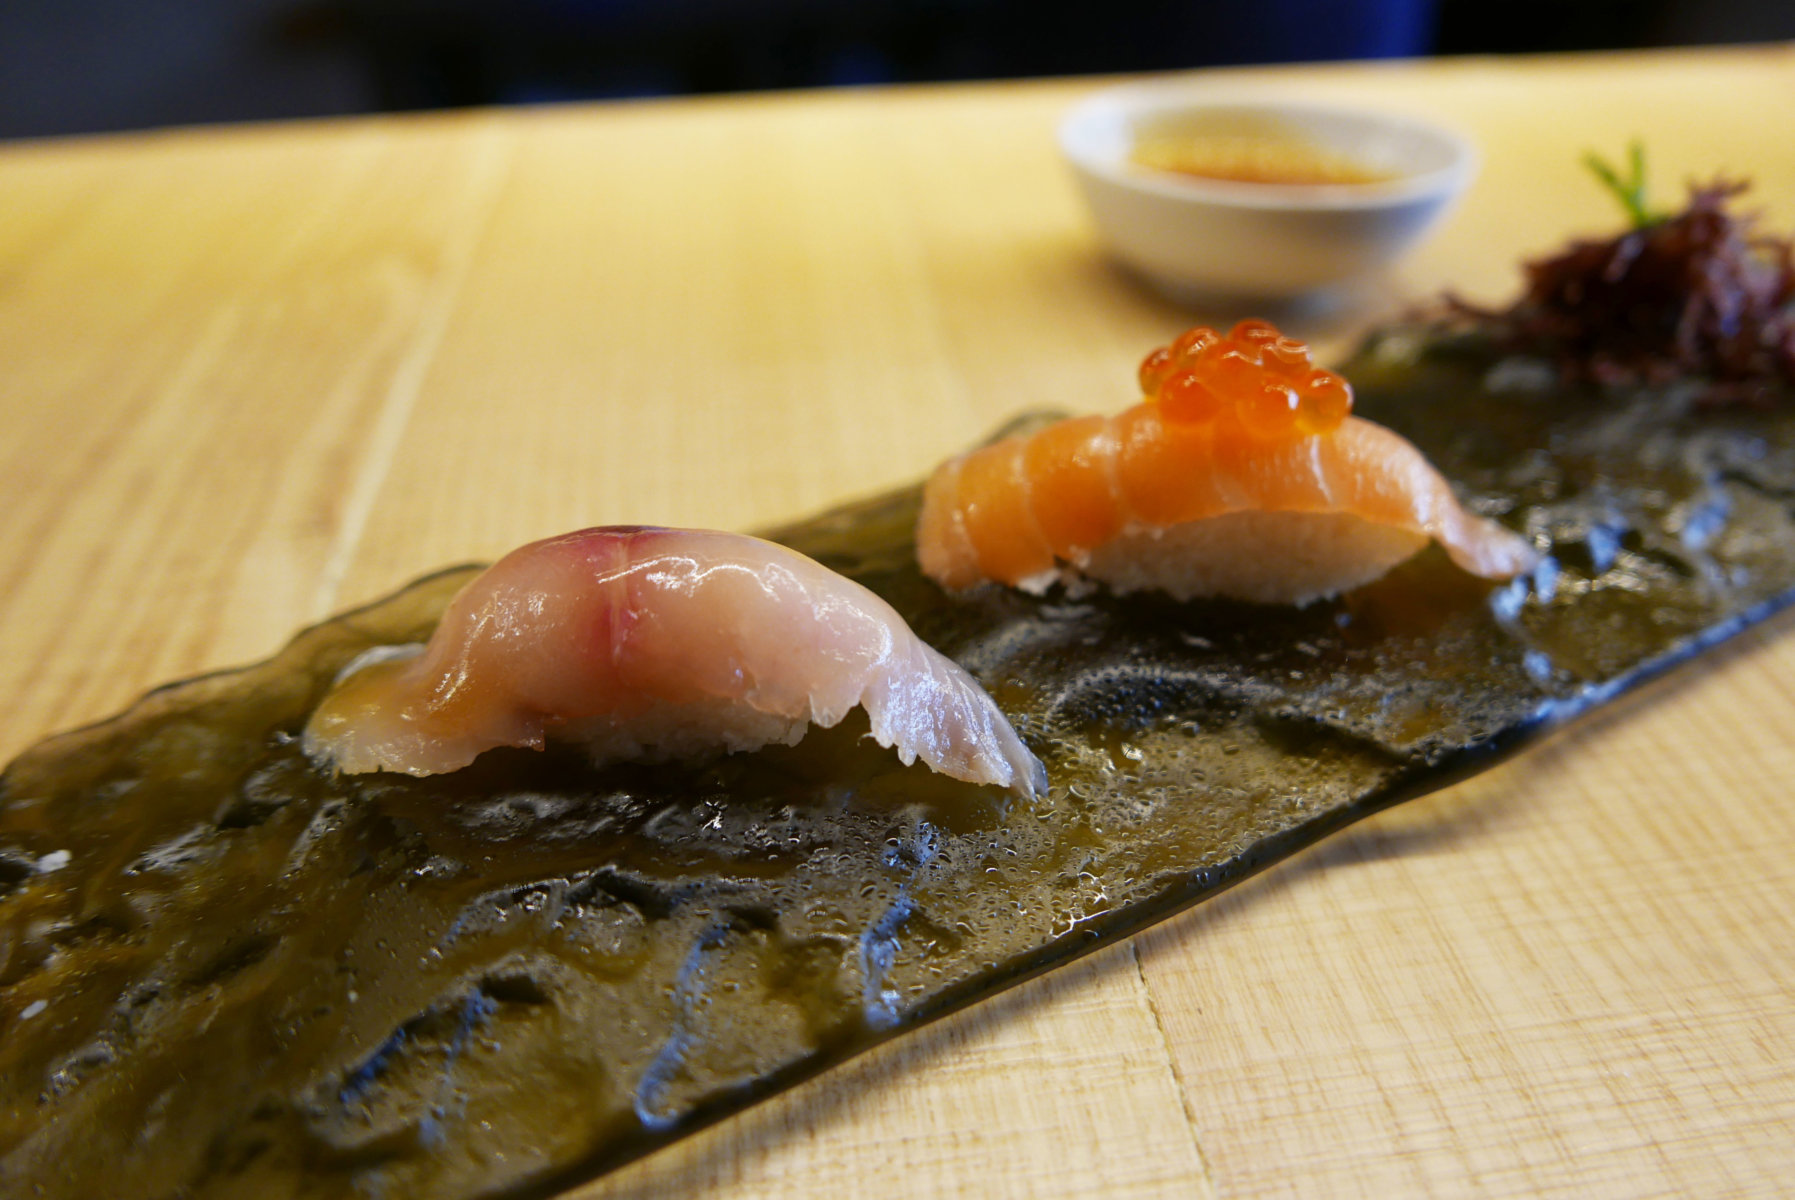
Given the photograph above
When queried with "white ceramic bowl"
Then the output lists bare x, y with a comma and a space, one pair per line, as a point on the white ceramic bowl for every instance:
1196, 237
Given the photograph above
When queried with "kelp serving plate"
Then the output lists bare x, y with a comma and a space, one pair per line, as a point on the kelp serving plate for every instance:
225, 973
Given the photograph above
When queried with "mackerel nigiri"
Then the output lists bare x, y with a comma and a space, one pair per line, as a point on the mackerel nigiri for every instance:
656, 644
1242, 474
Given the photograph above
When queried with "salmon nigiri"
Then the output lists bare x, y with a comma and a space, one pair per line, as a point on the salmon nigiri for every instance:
1243, 474
657, 644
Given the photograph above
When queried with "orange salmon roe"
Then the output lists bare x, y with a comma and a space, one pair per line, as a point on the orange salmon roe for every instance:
1185, 399
1193, 342
1270, 411
1254, 335
1287, 356
1256, 379
1324, 400
1230, 371
1154, 369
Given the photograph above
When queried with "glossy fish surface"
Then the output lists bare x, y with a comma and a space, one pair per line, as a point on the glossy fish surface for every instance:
649, 644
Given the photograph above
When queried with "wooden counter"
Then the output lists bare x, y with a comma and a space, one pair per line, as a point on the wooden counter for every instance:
251, 376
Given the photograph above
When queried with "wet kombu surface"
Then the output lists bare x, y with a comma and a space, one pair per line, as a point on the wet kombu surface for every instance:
225, 973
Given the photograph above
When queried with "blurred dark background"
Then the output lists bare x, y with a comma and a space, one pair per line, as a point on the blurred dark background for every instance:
79, 66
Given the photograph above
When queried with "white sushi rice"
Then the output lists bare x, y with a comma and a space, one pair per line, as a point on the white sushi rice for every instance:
688, 731
1268, 557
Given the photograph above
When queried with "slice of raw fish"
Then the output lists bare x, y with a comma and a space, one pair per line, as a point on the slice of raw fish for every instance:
662, 643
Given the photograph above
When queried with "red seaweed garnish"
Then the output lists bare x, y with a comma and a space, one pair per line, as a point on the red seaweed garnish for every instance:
1696, 294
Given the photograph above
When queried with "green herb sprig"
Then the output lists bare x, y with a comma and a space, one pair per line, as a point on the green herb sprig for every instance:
1629, 190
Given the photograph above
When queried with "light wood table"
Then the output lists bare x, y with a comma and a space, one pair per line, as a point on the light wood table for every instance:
251, 376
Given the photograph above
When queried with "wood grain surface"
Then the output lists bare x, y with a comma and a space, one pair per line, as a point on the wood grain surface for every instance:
252, 376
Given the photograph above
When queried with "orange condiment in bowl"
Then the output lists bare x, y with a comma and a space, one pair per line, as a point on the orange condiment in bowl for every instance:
1253, 158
